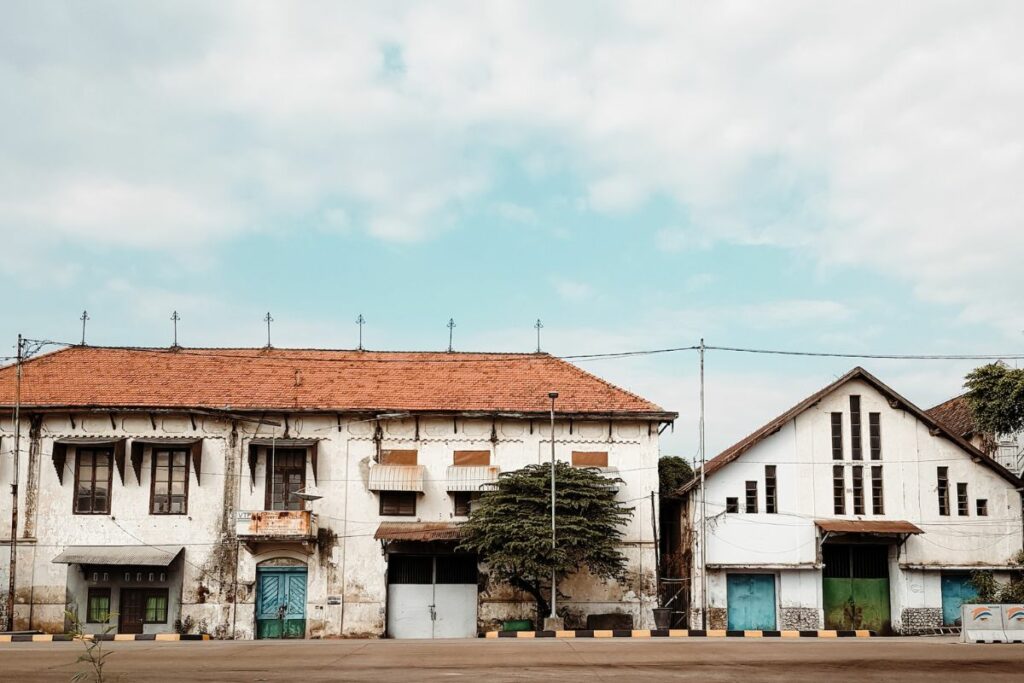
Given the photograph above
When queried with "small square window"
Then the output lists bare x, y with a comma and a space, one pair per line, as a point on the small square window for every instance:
732, 504
400, 503
982, 507
462, 502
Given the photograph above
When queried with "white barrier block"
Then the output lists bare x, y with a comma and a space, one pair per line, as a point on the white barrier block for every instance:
1013, 623
982, 624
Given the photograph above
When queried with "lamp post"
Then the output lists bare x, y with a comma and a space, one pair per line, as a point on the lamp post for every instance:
554, 591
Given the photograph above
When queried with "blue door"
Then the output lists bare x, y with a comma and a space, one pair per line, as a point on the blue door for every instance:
956, 590
281, 602
751, 602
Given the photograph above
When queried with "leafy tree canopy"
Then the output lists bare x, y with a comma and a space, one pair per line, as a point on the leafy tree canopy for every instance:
995, 393
510, 527
673, 472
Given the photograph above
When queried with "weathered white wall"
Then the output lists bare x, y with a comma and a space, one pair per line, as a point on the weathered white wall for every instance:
802, 453
348, 562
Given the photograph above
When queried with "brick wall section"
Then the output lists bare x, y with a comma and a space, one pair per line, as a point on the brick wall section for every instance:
800, 619
917, 619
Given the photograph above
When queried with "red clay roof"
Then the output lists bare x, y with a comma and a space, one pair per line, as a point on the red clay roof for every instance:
309, 380
418, 531
956, 415
740, 447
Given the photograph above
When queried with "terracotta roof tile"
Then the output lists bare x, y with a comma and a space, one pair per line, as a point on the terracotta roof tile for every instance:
301, 379
956, 415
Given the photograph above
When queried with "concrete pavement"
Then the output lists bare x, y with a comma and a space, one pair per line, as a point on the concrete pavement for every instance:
709, 660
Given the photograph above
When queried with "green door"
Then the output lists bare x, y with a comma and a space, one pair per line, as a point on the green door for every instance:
751, 601
855, 587
281, 602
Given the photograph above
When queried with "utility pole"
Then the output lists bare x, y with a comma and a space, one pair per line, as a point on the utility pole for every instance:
360, 321
174, 319
554, 589
451, 332
14, 486
703, 506
268, 319
538, 326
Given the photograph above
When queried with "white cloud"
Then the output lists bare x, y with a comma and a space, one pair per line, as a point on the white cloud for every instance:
516, 213
572, 290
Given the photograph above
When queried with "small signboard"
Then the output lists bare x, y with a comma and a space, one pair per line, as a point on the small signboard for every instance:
333, 599
982, 624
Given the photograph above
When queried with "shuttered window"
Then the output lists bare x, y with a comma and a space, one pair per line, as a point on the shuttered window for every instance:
837, 436
858, 490
877, 491
943, 490
838, 490
770, 490
962, 506
751, 496
875, 434
855, 429
399, 503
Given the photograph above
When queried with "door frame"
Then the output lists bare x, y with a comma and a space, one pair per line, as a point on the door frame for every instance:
776, 599
140, 593
284, 570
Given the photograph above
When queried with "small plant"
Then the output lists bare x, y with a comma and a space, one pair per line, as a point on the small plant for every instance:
990, 590
94, 655
184, 626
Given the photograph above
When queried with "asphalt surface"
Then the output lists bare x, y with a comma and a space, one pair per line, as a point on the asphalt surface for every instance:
749, 660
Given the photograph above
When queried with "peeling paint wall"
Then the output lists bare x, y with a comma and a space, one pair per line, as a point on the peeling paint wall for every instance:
347, 568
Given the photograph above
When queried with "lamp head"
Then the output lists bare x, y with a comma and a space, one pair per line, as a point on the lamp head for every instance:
552, 395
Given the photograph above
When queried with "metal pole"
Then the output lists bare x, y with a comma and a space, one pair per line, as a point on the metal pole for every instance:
554, 590
703, 507
14, 488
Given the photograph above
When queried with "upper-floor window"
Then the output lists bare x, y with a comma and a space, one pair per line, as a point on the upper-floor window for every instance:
732, 504
751, 496
837, 436
287, 467
982, 505
875, 434
93, 475
943, 490
962, 506
770, 490
169, 488
855, 429
877, 492
839, 489
858, 490
471, 458
462, 502
401, 503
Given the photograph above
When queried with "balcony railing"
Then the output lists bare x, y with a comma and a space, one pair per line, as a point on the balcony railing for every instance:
276, 525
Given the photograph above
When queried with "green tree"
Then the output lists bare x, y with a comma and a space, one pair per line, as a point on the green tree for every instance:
510, 527
673, 472
995, 394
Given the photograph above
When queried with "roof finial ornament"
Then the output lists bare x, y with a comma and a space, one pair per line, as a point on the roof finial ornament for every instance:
174, 319
360, 321
268, 319
451, 332
85, 316
538, 326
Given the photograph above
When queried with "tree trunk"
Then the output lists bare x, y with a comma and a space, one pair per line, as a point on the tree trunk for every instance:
533, 588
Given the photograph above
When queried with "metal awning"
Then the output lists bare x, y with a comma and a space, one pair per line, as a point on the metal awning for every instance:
396, 478
857, 526
472, 477
137, 555
418, 531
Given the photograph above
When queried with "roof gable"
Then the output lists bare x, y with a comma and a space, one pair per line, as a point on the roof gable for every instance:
317, 379
895, 399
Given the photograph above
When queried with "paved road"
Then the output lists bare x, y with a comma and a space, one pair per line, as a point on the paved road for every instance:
793, 661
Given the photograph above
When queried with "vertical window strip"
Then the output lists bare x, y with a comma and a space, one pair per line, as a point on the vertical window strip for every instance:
770, 502
962, 508
839, 489
875, 434
837, 436
855, 429
943, 491
877, 492
858, 490
751, 496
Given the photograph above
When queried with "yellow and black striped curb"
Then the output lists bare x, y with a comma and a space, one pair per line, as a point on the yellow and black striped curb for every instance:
679, 633
67, 637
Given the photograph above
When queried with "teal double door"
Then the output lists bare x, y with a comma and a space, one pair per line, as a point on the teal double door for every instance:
751, 602
280, 602
956, 590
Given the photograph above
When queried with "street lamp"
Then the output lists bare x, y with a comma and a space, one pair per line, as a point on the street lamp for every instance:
554, 591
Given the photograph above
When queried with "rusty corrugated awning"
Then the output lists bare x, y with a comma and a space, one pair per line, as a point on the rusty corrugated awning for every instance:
418, 531
855, 526
137, 555
396, 478
471, 478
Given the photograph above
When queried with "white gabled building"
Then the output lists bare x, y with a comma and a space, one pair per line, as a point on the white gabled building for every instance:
852, 510
304, 493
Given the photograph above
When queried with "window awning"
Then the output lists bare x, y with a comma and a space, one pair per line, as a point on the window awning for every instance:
60, 451
266, 442
856, 526
194, 445
136, 555
396, 478
418, 531
471, 478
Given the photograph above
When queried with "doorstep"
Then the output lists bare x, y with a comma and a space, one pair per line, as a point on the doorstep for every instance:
679, 633
119, 637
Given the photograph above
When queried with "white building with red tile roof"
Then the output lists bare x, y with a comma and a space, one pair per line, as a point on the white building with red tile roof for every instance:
297, 492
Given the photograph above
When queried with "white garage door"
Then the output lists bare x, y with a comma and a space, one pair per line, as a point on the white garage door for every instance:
432, 596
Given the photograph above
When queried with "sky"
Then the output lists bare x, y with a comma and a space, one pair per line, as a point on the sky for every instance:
824, 176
